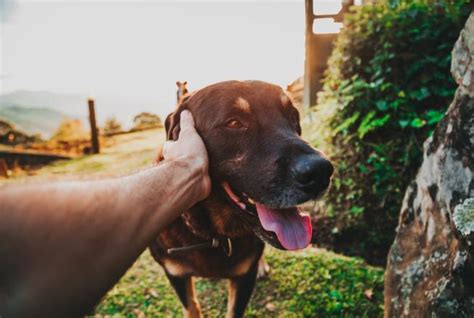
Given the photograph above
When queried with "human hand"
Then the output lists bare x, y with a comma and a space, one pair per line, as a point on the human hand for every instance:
190, 151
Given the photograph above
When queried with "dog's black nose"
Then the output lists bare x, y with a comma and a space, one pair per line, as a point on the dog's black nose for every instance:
312, 172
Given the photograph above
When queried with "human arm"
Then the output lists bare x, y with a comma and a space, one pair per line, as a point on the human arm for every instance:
64, 245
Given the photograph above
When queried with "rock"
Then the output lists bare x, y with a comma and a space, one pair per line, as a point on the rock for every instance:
463, 220
462, 67
430, 267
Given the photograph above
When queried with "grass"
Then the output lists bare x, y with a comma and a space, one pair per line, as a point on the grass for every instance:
310, 283
120, 154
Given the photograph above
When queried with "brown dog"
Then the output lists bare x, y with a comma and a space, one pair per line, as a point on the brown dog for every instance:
260, 170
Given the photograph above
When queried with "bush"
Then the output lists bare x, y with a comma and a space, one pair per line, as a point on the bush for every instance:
146, 120
70, 129
112, 126
387, 85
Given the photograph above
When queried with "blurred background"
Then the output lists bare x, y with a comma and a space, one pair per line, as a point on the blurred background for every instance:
128, 55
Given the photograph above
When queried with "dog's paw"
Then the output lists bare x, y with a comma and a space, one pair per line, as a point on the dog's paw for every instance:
263, 268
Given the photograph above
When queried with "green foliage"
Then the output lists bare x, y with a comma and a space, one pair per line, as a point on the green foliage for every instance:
304, 284
387, 85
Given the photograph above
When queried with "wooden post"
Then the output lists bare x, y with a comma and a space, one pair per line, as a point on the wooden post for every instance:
94, 133
3, 168
318, 48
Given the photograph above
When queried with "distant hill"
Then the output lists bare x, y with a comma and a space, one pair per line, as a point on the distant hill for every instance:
33, 120
75, 106
39, 111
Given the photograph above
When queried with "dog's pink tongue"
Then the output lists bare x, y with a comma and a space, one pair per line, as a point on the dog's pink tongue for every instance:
292, 228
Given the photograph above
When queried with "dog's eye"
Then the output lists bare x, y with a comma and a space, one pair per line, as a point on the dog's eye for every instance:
234, 124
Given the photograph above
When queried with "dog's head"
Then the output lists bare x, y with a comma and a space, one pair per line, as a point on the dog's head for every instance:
257, 159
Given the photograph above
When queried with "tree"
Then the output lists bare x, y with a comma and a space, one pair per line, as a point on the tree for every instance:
146, 120
112, 126
70, 129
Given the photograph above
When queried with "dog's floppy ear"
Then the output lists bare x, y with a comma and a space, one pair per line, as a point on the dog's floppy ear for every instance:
172, 121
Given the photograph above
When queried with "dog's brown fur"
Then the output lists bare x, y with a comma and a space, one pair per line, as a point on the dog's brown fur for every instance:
260, 104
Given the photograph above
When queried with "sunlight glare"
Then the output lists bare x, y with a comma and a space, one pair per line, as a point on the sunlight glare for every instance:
326, 6
326, 26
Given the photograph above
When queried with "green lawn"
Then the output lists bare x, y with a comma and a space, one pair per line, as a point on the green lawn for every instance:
311, 283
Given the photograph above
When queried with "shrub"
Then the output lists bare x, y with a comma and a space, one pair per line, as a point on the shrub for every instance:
70, 129
387, 85
146, 120
112, 126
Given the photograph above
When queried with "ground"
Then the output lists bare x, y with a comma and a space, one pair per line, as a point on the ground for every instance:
310, 283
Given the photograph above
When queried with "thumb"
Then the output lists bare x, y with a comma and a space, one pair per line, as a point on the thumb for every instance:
186, 121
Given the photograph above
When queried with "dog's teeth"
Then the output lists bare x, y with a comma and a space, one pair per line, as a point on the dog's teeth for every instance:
251, 201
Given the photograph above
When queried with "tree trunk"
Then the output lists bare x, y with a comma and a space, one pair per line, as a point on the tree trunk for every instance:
430, 270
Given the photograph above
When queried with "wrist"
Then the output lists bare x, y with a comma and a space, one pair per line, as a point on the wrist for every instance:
194, 170
193, 166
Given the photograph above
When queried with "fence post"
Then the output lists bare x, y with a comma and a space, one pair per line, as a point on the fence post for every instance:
94, 132
3, 168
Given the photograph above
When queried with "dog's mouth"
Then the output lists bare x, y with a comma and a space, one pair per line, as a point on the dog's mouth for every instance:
292, 227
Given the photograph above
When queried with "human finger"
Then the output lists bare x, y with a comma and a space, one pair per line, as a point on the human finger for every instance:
186, 122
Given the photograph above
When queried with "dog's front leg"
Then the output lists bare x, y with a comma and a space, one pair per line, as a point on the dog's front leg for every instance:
263, 268
184, 288
240, 290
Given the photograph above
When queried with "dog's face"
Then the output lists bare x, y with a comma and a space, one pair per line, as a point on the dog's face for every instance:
257, 160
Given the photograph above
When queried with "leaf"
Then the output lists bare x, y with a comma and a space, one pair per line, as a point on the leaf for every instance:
417, 123
434, 116
152, 292
363, 168
379, 122
381, 105
368, 124
335, 294
420, 94
364, 125
139, 313
270, 307
404, 123
357, 210
347, 123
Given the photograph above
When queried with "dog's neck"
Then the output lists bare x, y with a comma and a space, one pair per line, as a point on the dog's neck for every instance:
214, 217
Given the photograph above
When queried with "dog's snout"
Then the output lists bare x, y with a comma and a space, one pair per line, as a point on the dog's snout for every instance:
312, 172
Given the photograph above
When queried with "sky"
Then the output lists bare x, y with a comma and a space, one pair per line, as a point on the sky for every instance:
137, 50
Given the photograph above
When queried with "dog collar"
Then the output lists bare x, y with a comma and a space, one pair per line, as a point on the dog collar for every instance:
225, 243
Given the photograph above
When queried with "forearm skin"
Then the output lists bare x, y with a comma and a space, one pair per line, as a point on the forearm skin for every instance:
63, 245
